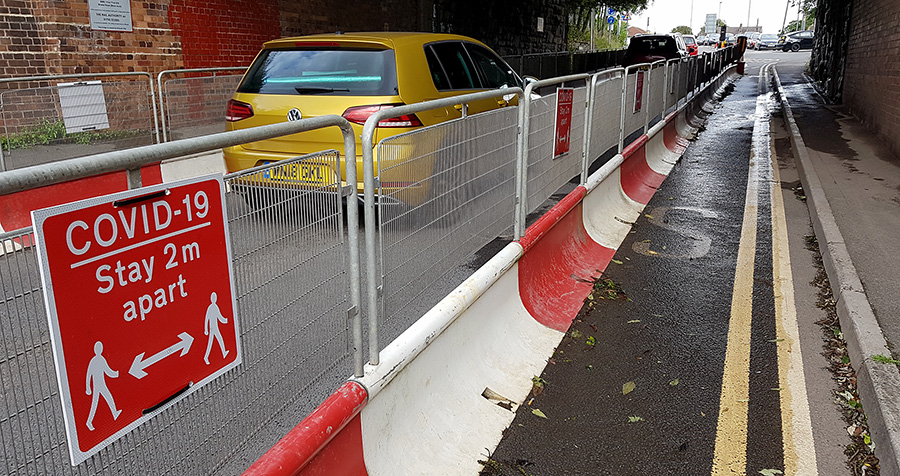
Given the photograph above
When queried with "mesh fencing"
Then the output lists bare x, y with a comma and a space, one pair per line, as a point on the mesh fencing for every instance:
288, 250
634, 120
40, 126
657, 90
546, 173
446, 191
196, 106
607, 109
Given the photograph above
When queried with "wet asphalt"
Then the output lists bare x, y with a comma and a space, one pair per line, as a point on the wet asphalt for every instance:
664, 328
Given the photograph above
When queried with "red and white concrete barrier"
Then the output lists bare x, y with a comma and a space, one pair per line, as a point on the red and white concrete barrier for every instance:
431, 406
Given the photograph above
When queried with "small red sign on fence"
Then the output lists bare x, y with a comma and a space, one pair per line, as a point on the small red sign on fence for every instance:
638, 91
139, 294
563, 134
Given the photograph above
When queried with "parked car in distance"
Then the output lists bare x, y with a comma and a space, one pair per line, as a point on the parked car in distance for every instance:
702, 40
355, 75
766, 41
730, 39
650, 48
752, 38
690, 44
796, 41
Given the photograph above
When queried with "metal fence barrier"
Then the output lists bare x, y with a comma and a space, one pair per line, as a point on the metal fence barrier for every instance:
45, 122
550, 65
541, 171
443, 192
605, 113
194, 105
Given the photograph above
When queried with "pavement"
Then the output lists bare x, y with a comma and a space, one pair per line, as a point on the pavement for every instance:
852, 184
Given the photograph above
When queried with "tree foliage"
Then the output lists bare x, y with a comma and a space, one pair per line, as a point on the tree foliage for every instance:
684, 30
581, 9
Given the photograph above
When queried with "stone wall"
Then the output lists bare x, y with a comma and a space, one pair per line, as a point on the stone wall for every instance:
510, 27
871, 85
829, 55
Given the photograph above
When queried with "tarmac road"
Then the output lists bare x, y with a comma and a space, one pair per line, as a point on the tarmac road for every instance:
699, 352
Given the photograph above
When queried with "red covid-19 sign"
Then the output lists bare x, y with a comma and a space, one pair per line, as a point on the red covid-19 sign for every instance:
562, 137
140, 298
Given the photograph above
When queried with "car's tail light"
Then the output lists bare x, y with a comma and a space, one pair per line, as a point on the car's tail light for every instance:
359, 114
238, 110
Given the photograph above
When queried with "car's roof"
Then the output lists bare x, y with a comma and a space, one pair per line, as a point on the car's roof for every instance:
653, 35
388, 39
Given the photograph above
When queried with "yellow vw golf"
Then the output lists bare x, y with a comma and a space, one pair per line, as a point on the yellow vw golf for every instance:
355, 75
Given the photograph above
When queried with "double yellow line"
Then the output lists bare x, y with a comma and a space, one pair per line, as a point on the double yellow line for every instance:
730, 456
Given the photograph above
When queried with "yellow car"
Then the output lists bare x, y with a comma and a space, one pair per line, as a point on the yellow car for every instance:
355, 75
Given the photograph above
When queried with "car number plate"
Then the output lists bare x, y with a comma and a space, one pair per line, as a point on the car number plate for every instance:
303, 173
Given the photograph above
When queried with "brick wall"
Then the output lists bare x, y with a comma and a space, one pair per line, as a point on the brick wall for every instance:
872, 77
223, 32
53, 37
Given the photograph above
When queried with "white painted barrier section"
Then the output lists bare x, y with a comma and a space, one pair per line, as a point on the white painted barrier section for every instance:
192, 166
434, 403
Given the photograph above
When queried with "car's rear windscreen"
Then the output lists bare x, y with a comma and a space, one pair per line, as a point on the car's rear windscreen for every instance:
318, 71
652, 46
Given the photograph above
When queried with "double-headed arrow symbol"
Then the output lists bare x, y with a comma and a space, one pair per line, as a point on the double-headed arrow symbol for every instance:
139, 364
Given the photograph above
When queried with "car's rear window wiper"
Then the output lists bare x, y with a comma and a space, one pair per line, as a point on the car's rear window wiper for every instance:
318, 90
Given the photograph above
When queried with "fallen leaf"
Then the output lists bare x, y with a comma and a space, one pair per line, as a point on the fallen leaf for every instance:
635, 419
652, 253
646, 241
627, 387
674, 382
590, 340
576, 334
770, 472
616, 261
633, 321
539, 413
648, 216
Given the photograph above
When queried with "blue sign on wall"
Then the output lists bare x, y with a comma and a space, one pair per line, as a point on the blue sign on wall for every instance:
610, 20
611, 12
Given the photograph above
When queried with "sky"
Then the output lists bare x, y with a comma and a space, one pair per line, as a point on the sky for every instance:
667, 14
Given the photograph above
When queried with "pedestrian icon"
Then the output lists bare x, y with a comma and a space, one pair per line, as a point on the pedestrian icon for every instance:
211, 327
97, 372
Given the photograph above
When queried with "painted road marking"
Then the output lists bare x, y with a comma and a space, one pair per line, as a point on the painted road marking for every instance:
730, 456
796, 426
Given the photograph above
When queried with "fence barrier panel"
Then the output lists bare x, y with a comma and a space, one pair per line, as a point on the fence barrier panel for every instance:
607, 111
51, 123
546, 173
445, 192
194, 103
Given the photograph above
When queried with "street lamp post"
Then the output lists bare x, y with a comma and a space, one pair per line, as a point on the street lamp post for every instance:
749, 2
691, 18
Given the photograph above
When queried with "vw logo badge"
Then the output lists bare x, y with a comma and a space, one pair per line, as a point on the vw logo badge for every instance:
294, 115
